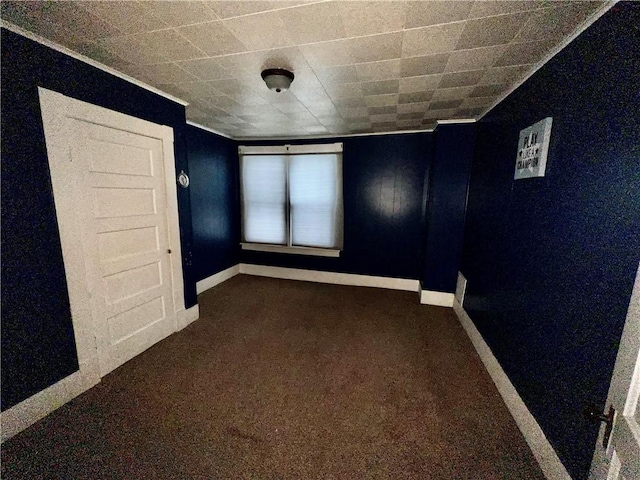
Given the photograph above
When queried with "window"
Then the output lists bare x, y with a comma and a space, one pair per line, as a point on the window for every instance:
292, 198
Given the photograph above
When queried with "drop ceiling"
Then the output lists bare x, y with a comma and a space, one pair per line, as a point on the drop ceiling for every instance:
360, 66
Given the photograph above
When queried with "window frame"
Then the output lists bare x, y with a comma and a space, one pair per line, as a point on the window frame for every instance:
287, 151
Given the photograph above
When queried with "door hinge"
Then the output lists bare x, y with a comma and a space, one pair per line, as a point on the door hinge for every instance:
593, 413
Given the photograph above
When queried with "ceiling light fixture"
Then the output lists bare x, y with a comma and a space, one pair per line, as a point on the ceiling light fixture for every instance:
277, 79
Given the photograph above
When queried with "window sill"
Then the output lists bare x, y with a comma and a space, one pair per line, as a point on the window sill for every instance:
318, 252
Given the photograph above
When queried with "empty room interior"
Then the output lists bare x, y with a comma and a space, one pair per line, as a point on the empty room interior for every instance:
289, 239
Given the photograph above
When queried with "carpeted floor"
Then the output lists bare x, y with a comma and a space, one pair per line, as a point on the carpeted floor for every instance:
288, 380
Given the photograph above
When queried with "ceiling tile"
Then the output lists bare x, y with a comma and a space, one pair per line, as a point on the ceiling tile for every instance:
329, 54
222, 101
413, 107
230, 8
128, 17
367, 18
59, 22
431, 40
380, 87
524, 53
485, 32
167, 73
337, 75
170, 45
213, 38
313, 23
411, 116
351, 102
490, 8
176, 14
504, 74
310, 95
556, 22
354, 112
445, 104
478, 102
386, 117
383, 70
470, 112
260, 31
382, 100
383, 110
428, 65
202, 90
344, 90
417, 84
443, 114
487, 90
374, 48
461, 79
415, 97
474, 59
132, 49
423, 13
205, 69
451, 93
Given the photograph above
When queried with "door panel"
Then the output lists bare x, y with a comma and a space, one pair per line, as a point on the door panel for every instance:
125, 239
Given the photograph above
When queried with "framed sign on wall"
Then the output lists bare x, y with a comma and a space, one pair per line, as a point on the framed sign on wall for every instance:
533, 147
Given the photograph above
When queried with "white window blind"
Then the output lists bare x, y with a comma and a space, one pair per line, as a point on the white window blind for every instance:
293, 200
314, 200
264, 197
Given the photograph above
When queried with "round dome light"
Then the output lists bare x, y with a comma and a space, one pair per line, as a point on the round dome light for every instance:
277, 79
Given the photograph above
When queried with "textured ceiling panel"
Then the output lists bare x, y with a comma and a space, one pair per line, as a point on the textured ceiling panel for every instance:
360, 66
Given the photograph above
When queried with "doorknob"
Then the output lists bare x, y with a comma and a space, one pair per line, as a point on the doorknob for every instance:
168, 250
593, 413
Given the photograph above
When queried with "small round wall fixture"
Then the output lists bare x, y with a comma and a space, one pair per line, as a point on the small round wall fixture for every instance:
183, 179
277, 79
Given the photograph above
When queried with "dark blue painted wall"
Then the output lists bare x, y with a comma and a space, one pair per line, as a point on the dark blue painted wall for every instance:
215, 211
446, 206
38, 347
551, 261
383, 179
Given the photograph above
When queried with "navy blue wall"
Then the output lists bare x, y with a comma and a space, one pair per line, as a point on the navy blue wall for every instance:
383, 209
551, 261
215, 211
446, 206
38, 347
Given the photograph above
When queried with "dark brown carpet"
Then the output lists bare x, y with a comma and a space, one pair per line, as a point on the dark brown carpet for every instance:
288, 380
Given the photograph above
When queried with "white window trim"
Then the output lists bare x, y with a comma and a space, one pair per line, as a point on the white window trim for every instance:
293, 150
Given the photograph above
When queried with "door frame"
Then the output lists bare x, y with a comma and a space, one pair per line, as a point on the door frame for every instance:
58, 111
623, 384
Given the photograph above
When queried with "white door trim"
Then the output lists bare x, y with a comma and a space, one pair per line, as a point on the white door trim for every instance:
618, 458
57, 110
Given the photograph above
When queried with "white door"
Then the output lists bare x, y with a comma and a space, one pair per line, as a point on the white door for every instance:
621, 459
125, 240
114, 189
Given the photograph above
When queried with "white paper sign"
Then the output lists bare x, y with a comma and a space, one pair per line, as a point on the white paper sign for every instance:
533, 146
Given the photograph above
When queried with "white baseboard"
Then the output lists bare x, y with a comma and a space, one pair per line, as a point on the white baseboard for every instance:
330, 277
213, 280
546, 456
440, 299
190, 315
29, 411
